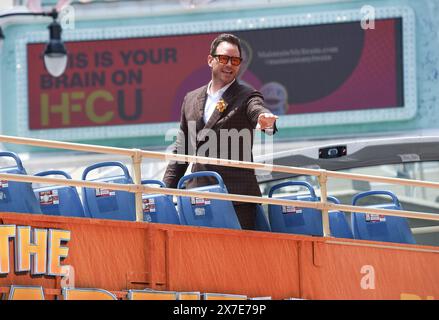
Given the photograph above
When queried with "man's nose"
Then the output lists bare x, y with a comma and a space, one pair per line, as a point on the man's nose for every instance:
229, 62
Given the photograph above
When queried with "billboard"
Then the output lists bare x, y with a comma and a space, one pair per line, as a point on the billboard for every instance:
304, 72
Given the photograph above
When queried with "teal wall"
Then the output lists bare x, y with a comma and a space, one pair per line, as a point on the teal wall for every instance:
427, 66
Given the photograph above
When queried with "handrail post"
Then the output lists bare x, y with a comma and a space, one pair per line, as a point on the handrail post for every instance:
137, 164
323, 179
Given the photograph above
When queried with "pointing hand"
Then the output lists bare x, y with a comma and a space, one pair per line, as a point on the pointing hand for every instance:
267, 120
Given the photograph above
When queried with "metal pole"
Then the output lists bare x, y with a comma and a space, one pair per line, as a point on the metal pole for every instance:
323, 179
423, 230
137, 162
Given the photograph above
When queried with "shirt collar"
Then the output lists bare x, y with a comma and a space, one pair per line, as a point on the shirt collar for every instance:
220, 92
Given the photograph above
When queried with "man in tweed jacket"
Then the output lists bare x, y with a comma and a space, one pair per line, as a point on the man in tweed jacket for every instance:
217, 120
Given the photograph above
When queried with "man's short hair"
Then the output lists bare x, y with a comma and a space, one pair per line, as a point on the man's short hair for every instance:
225, 37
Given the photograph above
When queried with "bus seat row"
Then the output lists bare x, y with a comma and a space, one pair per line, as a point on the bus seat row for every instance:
196, 211
296, 220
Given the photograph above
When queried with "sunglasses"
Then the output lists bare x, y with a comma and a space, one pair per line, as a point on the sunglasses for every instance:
223, 59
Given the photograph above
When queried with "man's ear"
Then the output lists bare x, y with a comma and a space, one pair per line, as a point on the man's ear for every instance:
209, 60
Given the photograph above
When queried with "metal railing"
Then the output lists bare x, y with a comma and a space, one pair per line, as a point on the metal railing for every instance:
137, 155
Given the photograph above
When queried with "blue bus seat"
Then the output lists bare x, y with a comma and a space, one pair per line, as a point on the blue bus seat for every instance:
306, 220
379, 227
290, 219
17, 196
196, 211
59, 200
261, 220
159, 208
106, 203
338, 224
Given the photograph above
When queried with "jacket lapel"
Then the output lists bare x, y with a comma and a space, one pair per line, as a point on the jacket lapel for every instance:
217, 115
200, 103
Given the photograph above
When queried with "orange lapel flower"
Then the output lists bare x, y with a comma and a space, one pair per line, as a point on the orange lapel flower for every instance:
221, 105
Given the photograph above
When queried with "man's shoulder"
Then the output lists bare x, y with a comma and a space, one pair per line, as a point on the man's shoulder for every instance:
197, 92
244, 89
244, 86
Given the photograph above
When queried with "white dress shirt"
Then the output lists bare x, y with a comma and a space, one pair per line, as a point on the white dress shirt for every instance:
212, 100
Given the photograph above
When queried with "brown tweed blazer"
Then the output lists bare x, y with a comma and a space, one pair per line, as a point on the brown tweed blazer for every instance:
244, 105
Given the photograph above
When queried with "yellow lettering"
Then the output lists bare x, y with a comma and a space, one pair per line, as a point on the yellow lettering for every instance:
56, 251
188, 296
411, 296
6, 232
220, 296
44, 109
87, 294
62, 108
26, 293
27, 248
151, 295
90, 110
